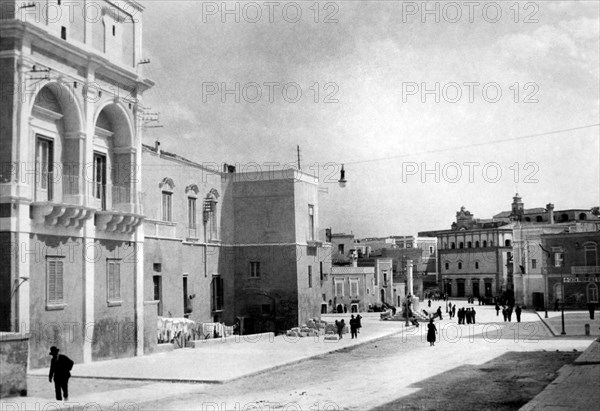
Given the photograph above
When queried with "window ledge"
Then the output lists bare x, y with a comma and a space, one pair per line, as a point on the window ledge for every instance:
55, 306
114, 303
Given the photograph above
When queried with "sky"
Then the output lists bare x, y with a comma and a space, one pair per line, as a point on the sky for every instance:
430, 107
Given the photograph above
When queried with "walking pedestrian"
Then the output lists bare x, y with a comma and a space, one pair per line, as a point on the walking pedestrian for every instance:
340, 327
591, 308
473, 315
353, 328
497, 309
518, 313
454, 311
509, 313
431, 331
556, 304
468, 315
439, 312
504, 314
429, 303
358, 323
60, 371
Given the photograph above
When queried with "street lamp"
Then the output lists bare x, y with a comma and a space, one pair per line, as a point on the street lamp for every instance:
561, 262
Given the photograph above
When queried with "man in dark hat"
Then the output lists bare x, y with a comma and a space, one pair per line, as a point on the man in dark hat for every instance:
60, 369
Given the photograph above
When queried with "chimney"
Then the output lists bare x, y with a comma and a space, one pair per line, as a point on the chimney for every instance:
157, 147
550, 209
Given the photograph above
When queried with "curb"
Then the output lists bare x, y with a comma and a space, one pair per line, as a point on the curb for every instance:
548, 327
224, 381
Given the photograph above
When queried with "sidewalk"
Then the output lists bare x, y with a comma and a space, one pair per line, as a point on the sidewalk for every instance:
214, 363
576, 388
575, 322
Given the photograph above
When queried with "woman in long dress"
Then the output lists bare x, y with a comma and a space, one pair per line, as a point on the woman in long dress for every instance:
431, 331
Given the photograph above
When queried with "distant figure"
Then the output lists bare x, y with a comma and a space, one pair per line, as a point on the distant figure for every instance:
518, 313
345, 308
556, 304
591, 308
358, 323
454, 311
504, 314
353, 328
429, 303
439, 312
473, 315
497, 309
431, 331
468, 315
340, 327
60, 370
509, 312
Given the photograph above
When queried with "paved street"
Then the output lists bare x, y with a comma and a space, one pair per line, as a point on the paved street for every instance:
355, 377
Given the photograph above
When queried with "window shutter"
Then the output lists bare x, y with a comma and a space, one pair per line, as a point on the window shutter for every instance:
117, 277
51, 281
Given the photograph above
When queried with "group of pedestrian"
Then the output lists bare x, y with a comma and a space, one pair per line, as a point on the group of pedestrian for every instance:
355, 326
466, 315
507, 312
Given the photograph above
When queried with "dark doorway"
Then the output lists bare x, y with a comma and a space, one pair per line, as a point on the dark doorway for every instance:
157, 280
382, 296
460, 292
538, 301
476, 289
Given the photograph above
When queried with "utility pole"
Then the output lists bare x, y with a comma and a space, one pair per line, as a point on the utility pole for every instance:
298, 151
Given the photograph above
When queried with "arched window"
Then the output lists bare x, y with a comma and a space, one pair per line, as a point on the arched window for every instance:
539, 219
453, 245
447, 265
592, 293
461, 245
469, 245
484, 243
477, 265
564, 217
460, 265
591, 253
507, 243
527, 219
582, 216
476, 244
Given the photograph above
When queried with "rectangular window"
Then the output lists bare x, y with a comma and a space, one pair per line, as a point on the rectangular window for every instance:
217, 293
321, 275
310, 276
353, 288
113, 280
430, 250
100, 180
254, 269
534, 263
341, 248
54, 276
44, 169
311, 222
167, 212
339, 288
191, 212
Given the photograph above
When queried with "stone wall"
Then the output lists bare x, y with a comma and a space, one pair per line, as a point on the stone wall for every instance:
13, 364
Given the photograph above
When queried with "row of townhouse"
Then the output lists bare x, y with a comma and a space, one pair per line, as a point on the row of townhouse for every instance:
504, 256
99, 234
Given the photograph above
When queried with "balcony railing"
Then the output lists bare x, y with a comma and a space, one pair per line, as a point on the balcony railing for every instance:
585, 269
